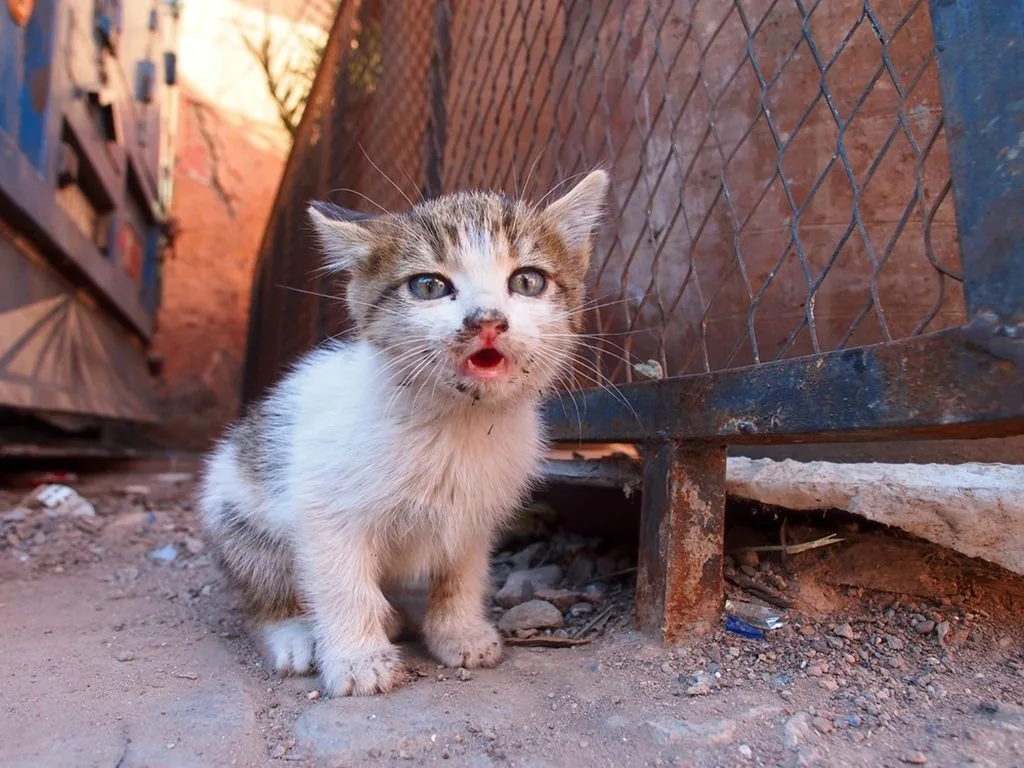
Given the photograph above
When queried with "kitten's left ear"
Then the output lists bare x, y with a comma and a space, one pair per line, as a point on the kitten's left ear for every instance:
342, 233
577, 213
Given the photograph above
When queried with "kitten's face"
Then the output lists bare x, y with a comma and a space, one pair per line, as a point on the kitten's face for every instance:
471, 295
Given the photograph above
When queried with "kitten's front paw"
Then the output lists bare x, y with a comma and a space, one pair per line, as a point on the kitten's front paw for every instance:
290, 644
362, 671
478, 645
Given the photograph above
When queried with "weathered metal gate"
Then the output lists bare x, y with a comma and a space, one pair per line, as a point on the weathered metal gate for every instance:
817, 227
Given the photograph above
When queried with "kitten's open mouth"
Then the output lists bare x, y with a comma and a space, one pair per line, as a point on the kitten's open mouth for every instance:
486, 363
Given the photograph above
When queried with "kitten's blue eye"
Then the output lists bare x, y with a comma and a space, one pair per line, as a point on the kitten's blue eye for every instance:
528, 282
430, 287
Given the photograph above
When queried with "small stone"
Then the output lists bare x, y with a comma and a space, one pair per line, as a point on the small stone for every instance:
941, 631
830, 684
463, 674
166, 554
914, 758
89, 524
524, 558
563, 599
580, 609
823, 725
925, 627
846, 631
135, 490
16, 515
895, 642
313, 695
193, 545
1005, 642
746, 752
714, 653
279, 751
533, 614
526, 634
595, 593
797, 730
511, 594
667, 668
583, 567
808, 631
126, 656
702, 685
747, 558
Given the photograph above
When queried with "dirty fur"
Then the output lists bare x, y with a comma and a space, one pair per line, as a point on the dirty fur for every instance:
385, 460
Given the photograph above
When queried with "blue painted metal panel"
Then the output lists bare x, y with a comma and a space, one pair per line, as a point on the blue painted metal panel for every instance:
34, 94
980, 49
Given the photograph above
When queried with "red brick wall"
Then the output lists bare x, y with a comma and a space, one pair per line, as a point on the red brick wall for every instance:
226, 176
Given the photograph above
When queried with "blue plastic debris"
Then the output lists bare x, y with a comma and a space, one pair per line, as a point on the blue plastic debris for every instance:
736, 626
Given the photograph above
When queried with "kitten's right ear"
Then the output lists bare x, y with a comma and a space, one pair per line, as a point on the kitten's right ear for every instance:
342, 233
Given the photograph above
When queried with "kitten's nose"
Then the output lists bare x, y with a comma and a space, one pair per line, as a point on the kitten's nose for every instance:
487, 322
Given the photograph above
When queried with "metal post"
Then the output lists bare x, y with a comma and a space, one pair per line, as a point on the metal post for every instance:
980, 49
682, 526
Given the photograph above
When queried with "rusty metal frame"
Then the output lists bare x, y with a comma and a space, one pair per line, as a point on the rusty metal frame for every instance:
963, 382
959, 382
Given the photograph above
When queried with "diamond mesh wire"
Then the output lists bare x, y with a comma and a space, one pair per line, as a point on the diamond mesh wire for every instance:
781, 182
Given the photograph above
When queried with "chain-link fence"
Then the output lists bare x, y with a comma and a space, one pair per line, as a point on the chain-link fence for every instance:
781, 178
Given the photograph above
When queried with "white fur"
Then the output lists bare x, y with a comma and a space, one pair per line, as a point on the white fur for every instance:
378, 486
290, 643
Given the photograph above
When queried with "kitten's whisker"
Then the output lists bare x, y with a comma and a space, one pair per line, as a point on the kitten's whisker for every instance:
605, 383
388, 178
533, 167
367, 198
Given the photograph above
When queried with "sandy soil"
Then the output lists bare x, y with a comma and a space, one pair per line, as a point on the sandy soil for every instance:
894, 653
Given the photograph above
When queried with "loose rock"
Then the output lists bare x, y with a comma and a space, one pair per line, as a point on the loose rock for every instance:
533, 614
511, 594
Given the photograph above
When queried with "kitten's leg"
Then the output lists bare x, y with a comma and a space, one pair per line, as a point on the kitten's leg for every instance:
350, 614
456, 629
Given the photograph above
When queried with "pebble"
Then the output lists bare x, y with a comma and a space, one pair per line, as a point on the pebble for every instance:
463, 674
583, 567
166, 554
511, 594
941, 630
914, 758
845, 630
808, 631
747, 558
126, 656
702, 685
193, 545
563, 599
823, 725
925, 627
797, 730
533, 614
745, 751
580, 609
313, 695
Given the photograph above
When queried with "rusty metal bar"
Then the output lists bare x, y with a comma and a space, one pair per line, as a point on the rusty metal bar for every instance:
682, 529
940, 385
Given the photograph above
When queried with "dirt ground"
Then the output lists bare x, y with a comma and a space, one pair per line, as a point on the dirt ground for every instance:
894, 653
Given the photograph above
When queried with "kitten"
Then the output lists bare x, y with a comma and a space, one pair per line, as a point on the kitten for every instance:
397, 456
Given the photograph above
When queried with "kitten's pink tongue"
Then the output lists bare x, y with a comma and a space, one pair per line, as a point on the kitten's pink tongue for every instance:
486, 364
